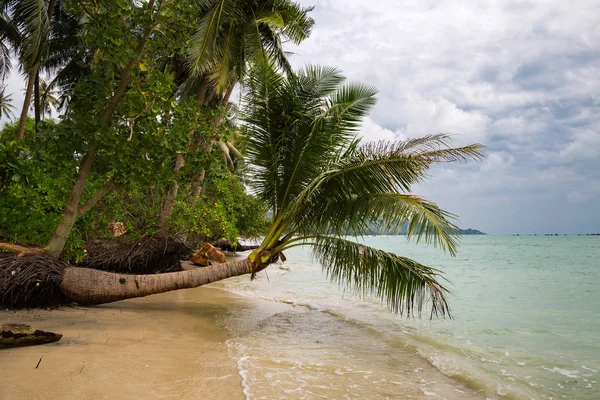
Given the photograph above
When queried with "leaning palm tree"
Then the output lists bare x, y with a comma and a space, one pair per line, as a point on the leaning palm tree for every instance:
6, 107
321, 184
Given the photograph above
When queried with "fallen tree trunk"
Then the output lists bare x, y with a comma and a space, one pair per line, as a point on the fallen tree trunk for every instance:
91, 287
41, 281
21, 335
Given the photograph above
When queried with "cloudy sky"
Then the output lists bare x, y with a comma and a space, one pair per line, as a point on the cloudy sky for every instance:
520, 76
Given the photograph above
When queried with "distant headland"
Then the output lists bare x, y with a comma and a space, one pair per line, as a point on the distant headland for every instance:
470, 232
374, 230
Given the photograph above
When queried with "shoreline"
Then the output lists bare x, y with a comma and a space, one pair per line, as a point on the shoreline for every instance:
167, 345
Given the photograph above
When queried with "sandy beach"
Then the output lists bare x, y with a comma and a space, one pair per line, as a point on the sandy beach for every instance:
164, 346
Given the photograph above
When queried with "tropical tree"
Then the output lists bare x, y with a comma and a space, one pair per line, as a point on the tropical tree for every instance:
47, 99
232, 35
321, 183
9, 39
32, 20
6, 107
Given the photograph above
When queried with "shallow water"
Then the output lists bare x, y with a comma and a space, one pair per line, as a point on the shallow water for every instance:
526, 326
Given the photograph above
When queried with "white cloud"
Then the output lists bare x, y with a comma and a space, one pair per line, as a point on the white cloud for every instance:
522, 77
372, 132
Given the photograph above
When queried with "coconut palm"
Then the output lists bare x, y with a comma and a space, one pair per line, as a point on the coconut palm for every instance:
9, 39
321, 183
47, 98
32, 20
6, 107
234, 33
231, 36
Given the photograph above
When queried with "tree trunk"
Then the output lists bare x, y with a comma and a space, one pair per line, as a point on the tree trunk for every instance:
202, 89
227, 96
27, 101
89, 287
200, 179
168, 206
36, 100
71, 212
198, 183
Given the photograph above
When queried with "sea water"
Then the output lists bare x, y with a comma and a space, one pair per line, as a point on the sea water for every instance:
526, 326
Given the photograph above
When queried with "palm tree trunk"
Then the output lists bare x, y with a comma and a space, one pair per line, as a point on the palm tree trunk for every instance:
202, 89
198, 184
27, 101
36, 100
89, 287
200, 179
227, 95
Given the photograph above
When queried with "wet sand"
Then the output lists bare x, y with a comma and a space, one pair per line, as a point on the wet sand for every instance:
170, 345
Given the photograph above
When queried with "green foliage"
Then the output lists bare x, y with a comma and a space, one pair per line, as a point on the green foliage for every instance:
35, 179
224, 210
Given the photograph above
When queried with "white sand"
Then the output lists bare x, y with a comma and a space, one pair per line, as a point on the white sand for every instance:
170, 345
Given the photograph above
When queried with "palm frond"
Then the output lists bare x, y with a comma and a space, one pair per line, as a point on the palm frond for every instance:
5, 63
298, 24
405, 285
202, 42
32, 18
386, 212
6, 106
319, 81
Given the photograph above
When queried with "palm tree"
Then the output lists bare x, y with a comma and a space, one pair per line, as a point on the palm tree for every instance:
32, 19
231, 36
47, 99
9, 39
321, 184
6, 107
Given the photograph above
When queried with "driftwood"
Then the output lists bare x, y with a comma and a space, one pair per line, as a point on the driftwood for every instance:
21, 335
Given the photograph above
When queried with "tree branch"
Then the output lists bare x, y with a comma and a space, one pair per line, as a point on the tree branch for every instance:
87, 206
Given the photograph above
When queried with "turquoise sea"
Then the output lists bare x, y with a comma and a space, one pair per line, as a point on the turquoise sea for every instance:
526, 326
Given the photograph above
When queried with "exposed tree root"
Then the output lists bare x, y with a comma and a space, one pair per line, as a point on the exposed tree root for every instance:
148, 255
30, 281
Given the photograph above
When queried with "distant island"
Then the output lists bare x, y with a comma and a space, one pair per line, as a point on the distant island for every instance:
374, 230
470, 232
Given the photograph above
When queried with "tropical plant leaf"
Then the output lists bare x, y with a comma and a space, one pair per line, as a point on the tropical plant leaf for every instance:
388, 213
405, 285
